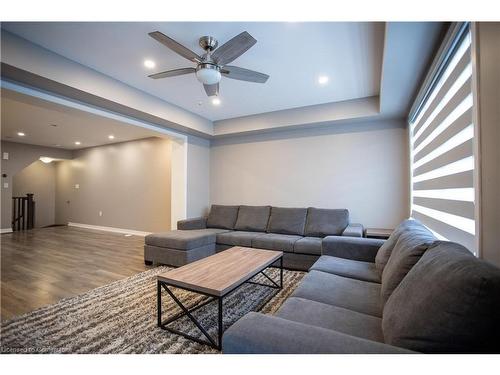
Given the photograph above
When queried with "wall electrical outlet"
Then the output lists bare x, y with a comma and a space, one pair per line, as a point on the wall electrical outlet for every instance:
100, 213
5, 185
5, 156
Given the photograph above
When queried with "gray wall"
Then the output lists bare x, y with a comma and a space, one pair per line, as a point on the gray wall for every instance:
40, 179
129, 182
488, 96
198, 176
362, 167
20, 156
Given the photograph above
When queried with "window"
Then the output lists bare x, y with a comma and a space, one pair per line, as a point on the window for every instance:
441, 132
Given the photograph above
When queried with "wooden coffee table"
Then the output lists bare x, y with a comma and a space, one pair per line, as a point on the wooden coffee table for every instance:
215, 277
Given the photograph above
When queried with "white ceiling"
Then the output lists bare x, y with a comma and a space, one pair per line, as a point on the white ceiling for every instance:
293, 54
35, 117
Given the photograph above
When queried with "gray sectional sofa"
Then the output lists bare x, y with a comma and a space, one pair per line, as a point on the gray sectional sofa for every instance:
303, 234
411, 294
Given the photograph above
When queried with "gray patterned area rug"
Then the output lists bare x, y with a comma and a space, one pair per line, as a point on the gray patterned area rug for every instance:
121, 318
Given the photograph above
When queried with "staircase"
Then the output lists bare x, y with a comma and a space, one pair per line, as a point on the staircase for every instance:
23, 213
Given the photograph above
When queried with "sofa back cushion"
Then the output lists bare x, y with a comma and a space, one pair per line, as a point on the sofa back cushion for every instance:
385, 250
448, 303
253, 218
411, 245
323, 222
287, 220
223, 217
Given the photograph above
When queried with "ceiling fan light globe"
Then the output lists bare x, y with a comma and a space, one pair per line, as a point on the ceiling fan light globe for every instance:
208, 76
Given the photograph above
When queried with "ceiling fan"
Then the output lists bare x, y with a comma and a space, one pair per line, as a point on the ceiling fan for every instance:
212, 65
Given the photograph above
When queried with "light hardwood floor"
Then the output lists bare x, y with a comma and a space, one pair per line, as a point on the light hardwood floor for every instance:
42, 266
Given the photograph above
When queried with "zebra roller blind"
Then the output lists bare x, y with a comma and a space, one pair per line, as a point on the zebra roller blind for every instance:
442, 152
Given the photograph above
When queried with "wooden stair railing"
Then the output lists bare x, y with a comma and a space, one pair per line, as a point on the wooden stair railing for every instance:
23, 212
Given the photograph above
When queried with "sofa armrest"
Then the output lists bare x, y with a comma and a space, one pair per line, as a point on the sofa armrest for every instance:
195, 223
354, 230
265, 334
363, 249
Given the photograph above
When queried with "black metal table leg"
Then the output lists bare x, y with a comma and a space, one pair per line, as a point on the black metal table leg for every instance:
281, 272
188, 312
158, 302
221, 327
190, 316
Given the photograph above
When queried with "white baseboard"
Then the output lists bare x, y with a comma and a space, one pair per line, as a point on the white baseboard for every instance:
110, 229
5, 230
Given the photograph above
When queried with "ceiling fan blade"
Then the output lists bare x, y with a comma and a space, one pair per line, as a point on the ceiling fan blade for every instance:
175, 46
172, 73
234, 48
212, 90
242, 74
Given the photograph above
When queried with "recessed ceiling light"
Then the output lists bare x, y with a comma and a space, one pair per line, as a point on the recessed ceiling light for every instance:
323, 80
150, 64
111, 136
21, 134
78, 143
216, 101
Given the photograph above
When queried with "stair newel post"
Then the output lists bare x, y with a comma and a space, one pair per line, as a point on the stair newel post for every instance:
31, 211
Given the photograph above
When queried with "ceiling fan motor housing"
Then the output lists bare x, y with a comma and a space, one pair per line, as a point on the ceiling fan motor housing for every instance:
208, 43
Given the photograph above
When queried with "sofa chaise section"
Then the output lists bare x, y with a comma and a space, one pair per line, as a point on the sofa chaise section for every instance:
193, 240
179, 247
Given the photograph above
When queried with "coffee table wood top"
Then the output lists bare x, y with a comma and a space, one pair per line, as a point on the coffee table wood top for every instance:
220, 273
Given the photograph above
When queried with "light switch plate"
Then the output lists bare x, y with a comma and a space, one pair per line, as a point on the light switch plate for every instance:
77, 186
5, 185
5, 156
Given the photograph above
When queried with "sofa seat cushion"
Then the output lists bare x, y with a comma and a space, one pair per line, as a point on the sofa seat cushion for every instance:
237, 238
323, 222
223, 217
308, 245
448, 303
332, 317
410, 246
183, 239
253, 218
353, 269
385, 250
273, 241
351, 294
287, 220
